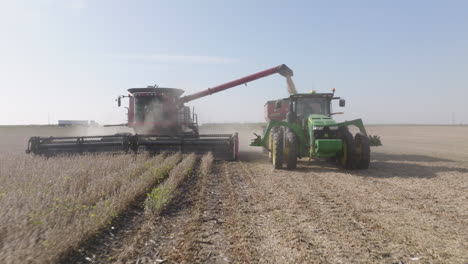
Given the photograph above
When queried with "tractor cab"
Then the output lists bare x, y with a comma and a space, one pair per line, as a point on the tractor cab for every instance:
304, 105
312, 109
301, 106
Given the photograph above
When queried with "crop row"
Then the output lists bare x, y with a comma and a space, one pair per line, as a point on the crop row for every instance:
49, 206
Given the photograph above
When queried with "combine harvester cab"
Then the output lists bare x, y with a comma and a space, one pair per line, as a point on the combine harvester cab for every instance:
162, 123
301, 126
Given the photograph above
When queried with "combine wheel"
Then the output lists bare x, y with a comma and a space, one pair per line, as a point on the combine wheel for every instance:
291, 150
362, 151
277, 150
347, 157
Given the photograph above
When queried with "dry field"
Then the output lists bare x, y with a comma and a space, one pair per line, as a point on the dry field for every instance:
411, 206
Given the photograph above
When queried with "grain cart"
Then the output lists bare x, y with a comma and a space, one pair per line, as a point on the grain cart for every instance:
301, 126
162, 123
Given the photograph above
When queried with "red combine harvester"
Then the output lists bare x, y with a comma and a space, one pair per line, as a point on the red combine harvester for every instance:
162, 123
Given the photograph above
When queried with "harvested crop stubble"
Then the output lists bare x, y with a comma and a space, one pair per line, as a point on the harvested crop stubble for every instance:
157, 200
162, 195
51, 205
206, 164
187, 244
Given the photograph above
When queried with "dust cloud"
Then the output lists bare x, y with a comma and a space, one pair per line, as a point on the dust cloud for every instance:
245, 130
98, 131
153, 113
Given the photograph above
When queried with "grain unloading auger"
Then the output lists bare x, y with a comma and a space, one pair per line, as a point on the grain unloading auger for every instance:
162, 123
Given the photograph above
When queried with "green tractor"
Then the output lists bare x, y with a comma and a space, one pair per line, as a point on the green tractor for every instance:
301, 126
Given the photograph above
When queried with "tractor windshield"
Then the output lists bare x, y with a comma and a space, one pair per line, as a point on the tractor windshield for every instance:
148, 109
307, 106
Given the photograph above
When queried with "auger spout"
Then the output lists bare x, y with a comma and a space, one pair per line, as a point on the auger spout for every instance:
281, 69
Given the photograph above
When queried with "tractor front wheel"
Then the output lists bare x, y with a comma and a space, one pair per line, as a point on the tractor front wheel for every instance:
362, 151
277, 150
347, 157
291, 150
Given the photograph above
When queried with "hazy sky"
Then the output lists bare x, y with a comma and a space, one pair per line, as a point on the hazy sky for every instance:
393, 61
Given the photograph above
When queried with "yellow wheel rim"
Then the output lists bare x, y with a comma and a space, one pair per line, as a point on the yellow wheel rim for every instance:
273, 153
270, 147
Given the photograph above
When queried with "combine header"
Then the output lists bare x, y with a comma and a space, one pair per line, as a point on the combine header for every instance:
162, 123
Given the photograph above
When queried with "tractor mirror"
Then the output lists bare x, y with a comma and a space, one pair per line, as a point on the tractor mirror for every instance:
119, 102
342, 102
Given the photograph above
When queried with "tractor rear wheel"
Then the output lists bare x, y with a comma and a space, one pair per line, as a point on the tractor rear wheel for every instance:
277, 150
347, 157
291, 150
264, 149
362, 151
270, 145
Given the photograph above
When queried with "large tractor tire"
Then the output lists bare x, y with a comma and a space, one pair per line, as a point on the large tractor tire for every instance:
270, 145
277, 150
291, 150
264, 149
347, 157
362, 151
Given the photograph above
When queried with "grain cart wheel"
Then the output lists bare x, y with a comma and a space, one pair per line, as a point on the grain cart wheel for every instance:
291, 150
277, 150
362, 151
347, 157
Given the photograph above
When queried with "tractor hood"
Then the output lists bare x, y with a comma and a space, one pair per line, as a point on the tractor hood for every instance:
321, 120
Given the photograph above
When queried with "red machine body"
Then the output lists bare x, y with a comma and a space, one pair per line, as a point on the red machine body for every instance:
281, 69
276, 110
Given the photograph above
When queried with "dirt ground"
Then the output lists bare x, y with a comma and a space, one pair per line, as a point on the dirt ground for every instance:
410, 206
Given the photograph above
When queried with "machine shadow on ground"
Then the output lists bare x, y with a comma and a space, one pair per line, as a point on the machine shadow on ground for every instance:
407, 158
383, 165
253, 156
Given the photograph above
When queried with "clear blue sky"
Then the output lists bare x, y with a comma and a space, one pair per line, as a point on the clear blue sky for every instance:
393, 61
